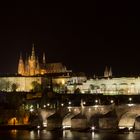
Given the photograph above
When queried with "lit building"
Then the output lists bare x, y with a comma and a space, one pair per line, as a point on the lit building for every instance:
108, 85
31, 65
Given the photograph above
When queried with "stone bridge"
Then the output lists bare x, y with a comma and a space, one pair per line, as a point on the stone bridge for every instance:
98, 115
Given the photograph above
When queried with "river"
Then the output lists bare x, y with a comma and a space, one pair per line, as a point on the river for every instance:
64, 135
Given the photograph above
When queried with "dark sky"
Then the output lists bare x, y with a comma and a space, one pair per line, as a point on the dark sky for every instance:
84, 36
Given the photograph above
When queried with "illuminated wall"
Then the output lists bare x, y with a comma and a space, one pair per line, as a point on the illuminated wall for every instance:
21, 83
113, 86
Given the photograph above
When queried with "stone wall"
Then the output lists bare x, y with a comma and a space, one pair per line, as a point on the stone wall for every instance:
22, 83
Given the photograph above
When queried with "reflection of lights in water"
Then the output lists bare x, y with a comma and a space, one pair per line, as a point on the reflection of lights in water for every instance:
14, 131
89, 109
130, 136
130, 104
47, 134
67, 134
44, 130
93, 135
38, 133
32, 134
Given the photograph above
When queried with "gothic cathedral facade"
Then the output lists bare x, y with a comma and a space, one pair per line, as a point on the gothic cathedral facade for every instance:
31, 66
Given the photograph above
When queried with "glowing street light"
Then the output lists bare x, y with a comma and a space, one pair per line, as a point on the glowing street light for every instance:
84, 103
69, 103
31, 109
48, 104
62, 104
111, 101
96, 101
130, 99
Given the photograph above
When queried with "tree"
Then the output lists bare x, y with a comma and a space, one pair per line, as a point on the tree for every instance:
92, 87
77, 90
36, 86
14, 87
4, 85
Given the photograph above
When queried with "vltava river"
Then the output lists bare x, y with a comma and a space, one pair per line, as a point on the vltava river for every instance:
64, 135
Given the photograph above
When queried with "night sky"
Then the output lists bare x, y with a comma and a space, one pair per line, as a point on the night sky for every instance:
84, 36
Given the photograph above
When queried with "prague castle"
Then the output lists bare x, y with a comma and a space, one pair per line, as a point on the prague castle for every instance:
31, 70
31, 65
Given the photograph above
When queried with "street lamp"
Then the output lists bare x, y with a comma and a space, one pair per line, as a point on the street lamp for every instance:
130, 99
96, 101
111, 101
69, 103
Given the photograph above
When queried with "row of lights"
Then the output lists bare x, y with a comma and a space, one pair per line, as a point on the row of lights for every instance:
69, 103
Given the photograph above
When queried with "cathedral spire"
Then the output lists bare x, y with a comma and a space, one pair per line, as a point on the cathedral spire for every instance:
33, 51
106, 72
110, 72
44, 59
20, 56
21, 65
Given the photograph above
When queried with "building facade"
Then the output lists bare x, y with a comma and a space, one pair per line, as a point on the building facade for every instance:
31, 66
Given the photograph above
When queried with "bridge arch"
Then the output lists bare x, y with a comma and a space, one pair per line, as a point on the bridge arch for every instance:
127, 120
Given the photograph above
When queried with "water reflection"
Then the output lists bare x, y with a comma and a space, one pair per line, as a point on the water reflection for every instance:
65, 135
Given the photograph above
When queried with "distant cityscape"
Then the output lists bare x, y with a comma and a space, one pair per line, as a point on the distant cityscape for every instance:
45, 95
32, 71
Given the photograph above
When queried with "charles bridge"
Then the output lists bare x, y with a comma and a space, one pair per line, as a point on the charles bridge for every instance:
104, 112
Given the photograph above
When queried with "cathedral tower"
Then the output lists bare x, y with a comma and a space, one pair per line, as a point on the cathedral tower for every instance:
106, 72
21, 66
32, 62
32, 67
110, 72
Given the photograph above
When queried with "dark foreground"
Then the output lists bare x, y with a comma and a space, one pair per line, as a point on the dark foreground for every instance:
65, 135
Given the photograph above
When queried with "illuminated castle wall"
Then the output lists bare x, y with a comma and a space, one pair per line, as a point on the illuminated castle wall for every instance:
112, 86
108, 85
22, 83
